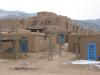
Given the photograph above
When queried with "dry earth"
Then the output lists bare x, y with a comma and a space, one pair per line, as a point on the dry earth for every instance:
38, 64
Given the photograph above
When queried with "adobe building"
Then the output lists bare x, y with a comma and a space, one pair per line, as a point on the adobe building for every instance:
10, 24
51, 22
85, 44
90, 47
38, 30
15, 44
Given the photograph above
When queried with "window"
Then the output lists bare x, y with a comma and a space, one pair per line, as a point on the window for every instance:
73, 27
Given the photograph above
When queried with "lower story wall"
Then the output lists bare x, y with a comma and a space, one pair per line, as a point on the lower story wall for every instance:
36, 43
71, 43
85, 41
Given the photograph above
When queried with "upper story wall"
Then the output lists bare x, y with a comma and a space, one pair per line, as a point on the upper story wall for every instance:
56, 22
48, 19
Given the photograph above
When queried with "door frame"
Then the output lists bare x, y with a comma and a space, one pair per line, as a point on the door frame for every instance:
94, 47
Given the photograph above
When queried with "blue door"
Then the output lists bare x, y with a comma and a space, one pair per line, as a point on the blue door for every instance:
61, 39
24, 45
92, 51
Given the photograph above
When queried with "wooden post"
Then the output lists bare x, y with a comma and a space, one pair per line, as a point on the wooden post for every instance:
50, 55
14, 48
59, 49
60, 44
77, 43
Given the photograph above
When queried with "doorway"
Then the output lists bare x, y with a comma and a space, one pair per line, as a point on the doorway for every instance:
92, 51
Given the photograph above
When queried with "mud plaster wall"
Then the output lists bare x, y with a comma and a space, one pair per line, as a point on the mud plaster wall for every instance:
36, 43
85, 40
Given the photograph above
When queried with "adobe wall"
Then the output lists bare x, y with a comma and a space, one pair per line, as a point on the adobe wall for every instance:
85, 40
71, 43
53, 21
36, 42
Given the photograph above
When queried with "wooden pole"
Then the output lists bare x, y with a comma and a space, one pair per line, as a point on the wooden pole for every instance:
77, 43
50, 55
1, 46
59, 49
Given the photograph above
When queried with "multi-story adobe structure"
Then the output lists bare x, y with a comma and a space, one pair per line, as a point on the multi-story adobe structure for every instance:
56, 25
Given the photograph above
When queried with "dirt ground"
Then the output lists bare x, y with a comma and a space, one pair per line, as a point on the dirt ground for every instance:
38, 64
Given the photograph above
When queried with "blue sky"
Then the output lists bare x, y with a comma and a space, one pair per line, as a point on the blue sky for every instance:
75, 9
